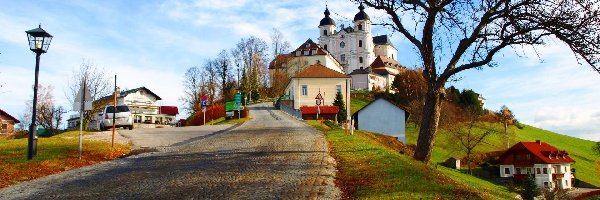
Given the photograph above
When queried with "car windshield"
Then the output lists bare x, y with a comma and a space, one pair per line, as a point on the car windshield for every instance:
110, 109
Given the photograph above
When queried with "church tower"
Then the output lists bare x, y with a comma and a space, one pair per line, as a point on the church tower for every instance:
327, 25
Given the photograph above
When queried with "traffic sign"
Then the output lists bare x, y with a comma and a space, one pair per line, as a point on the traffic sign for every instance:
318, 102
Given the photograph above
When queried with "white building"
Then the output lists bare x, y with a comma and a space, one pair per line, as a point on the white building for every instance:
354, 46
143, 106
550, 166
382, 116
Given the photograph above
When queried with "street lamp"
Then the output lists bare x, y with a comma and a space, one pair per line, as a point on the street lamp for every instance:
39, 41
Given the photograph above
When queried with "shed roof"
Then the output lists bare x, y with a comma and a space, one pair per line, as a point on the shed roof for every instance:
383, 99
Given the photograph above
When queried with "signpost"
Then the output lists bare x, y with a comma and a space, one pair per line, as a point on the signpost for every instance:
238, 104
318, 101
204, 104
83, 102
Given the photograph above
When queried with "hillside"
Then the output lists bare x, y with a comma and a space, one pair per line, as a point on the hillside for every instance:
579, 149
371, 167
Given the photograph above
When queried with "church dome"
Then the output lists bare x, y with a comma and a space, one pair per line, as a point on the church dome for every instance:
361, 15
327, 20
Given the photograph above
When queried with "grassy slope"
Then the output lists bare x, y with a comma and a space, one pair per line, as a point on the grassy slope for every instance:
579, 149
371, 169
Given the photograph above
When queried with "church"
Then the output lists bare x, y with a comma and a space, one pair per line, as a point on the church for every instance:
354, 46
352, 50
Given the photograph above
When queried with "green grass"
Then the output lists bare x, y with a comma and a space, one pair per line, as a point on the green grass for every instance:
222, 120
371, 170
356, 104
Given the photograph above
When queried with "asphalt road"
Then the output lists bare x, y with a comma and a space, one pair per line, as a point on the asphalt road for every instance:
271, 156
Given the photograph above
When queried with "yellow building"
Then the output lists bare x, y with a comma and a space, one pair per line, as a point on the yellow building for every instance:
303, 87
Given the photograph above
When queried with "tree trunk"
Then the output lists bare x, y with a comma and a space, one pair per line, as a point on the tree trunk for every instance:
429, 123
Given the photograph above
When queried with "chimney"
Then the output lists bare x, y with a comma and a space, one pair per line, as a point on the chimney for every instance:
539, 142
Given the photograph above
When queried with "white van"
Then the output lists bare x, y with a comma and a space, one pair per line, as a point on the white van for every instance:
123, 117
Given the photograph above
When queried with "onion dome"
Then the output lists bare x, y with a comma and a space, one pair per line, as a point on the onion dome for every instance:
327, 20
361, 15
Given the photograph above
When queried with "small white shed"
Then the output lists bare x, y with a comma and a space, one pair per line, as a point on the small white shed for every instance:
382, 116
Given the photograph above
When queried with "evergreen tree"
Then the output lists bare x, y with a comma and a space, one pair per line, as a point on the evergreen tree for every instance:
339, 102
530, 189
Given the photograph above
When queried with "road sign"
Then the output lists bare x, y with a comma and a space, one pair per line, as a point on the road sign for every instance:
238, 98
319, 96
87, 99
318, 102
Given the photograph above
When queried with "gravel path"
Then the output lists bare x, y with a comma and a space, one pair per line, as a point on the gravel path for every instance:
271, 156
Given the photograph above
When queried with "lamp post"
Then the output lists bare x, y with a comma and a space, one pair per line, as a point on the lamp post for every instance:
39, 41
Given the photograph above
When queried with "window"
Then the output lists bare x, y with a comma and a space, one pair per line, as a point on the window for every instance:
360, 27
392, 56
325, 47
343, 58
305, 52
307, 45
528, 156
518, 170
314, 52
545, 170
297, 53
360, 43
360, 60
324, 32
545, 184
538, 171
342, 44
304, 90
506, 170
4, 126
529, 170
338, 89
566, 182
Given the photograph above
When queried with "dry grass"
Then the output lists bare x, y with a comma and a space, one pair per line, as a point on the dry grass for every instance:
54, 155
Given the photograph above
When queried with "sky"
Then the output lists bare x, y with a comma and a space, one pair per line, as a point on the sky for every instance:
152, 43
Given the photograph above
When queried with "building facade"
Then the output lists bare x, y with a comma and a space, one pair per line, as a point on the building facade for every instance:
303, 88
354, 46
550, 166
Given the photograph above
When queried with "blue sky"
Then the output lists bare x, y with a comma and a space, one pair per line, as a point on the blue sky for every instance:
152, 43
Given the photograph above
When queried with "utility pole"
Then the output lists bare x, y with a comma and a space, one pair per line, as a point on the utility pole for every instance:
114, 112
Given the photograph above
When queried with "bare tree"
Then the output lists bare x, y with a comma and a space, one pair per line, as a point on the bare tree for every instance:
224, 69
278, 43
192, 89
453, 36
49, 116
470, 135
248, 51
98, 82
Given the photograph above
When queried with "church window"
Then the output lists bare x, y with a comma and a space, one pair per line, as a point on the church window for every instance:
360, 60
343, 58
325, 47
360, 27
360, 43
324, 32
342, 44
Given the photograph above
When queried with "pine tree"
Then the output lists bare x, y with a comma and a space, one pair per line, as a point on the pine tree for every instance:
530, 189
339, 102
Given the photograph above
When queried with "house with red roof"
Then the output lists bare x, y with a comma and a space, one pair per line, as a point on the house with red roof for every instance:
307, 54
317, 81
550, 166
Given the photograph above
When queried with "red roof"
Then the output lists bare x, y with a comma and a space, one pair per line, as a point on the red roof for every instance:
319, 71
168, 110
540, 153
9, 116
312, 110
309, 45
384, 61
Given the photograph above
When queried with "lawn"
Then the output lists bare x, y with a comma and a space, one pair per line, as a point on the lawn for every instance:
370, 168
54, 154
222, 120
356, 104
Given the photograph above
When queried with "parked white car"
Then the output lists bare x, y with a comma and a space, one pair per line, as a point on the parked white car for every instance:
122, 117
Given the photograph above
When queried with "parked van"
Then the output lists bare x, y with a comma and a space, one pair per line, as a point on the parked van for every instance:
122, 115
